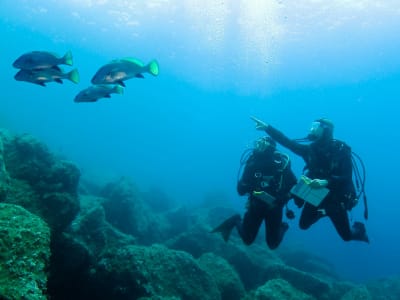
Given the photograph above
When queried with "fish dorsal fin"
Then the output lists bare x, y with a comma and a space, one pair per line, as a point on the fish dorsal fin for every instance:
133, 61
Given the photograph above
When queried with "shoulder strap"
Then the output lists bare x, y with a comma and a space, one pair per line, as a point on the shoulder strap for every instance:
341, 146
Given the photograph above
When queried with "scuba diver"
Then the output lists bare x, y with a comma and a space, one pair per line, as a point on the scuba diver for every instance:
267, 179
329, 164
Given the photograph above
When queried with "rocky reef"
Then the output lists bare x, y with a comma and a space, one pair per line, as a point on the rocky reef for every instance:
24, 254
62, 237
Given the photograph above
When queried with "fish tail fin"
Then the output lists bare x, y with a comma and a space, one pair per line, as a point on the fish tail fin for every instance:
73, 76
67, 59
118, 89
153, 68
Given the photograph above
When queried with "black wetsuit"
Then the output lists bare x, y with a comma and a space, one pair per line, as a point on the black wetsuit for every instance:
331, 160
271, 173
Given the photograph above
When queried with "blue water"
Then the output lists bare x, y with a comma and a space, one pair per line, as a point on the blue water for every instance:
220, 62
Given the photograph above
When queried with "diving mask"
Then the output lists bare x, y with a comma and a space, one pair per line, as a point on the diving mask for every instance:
264, 143
316, 131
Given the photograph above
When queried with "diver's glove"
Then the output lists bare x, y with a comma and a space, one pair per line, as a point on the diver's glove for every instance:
318, 183
314, 183
260, 125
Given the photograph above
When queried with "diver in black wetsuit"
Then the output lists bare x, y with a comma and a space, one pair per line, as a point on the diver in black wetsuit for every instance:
328, 164
267, 179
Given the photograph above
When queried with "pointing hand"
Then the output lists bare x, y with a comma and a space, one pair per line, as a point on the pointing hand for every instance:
260, 125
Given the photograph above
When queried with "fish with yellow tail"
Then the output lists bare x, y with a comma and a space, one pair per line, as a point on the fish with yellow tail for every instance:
120, 70
95, 92
37, 60
43, 76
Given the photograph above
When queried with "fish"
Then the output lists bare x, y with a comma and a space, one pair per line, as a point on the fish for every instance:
119, 70
38, 60
95, 92
43, 76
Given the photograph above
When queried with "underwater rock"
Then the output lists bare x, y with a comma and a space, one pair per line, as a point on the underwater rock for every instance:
197, 240
178, 220
278, 289
41, 183
214, 215
309, 283
58, 209
160, 298
157, 200
27, 158
24, 254
227, 279
133, 272
30, 160
4, 177
338, 289
358, 293
91, 228
385, 288
251, 262
69, 267
307, 262
78, 248
125, 210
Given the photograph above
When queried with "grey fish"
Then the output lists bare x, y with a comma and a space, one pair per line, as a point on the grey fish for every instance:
95, 92
119, 70
36, 60
41, 77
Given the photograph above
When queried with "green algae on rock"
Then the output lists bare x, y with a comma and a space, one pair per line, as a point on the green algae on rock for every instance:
24, 254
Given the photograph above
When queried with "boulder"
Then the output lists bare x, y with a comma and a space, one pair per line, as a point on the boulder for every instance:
133, 272
278, 289
39, 181
24, 254
227, 279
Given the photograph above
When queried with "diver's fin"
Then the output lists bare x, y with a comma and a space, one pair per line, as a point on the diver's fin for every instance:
359, 232
225, 228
